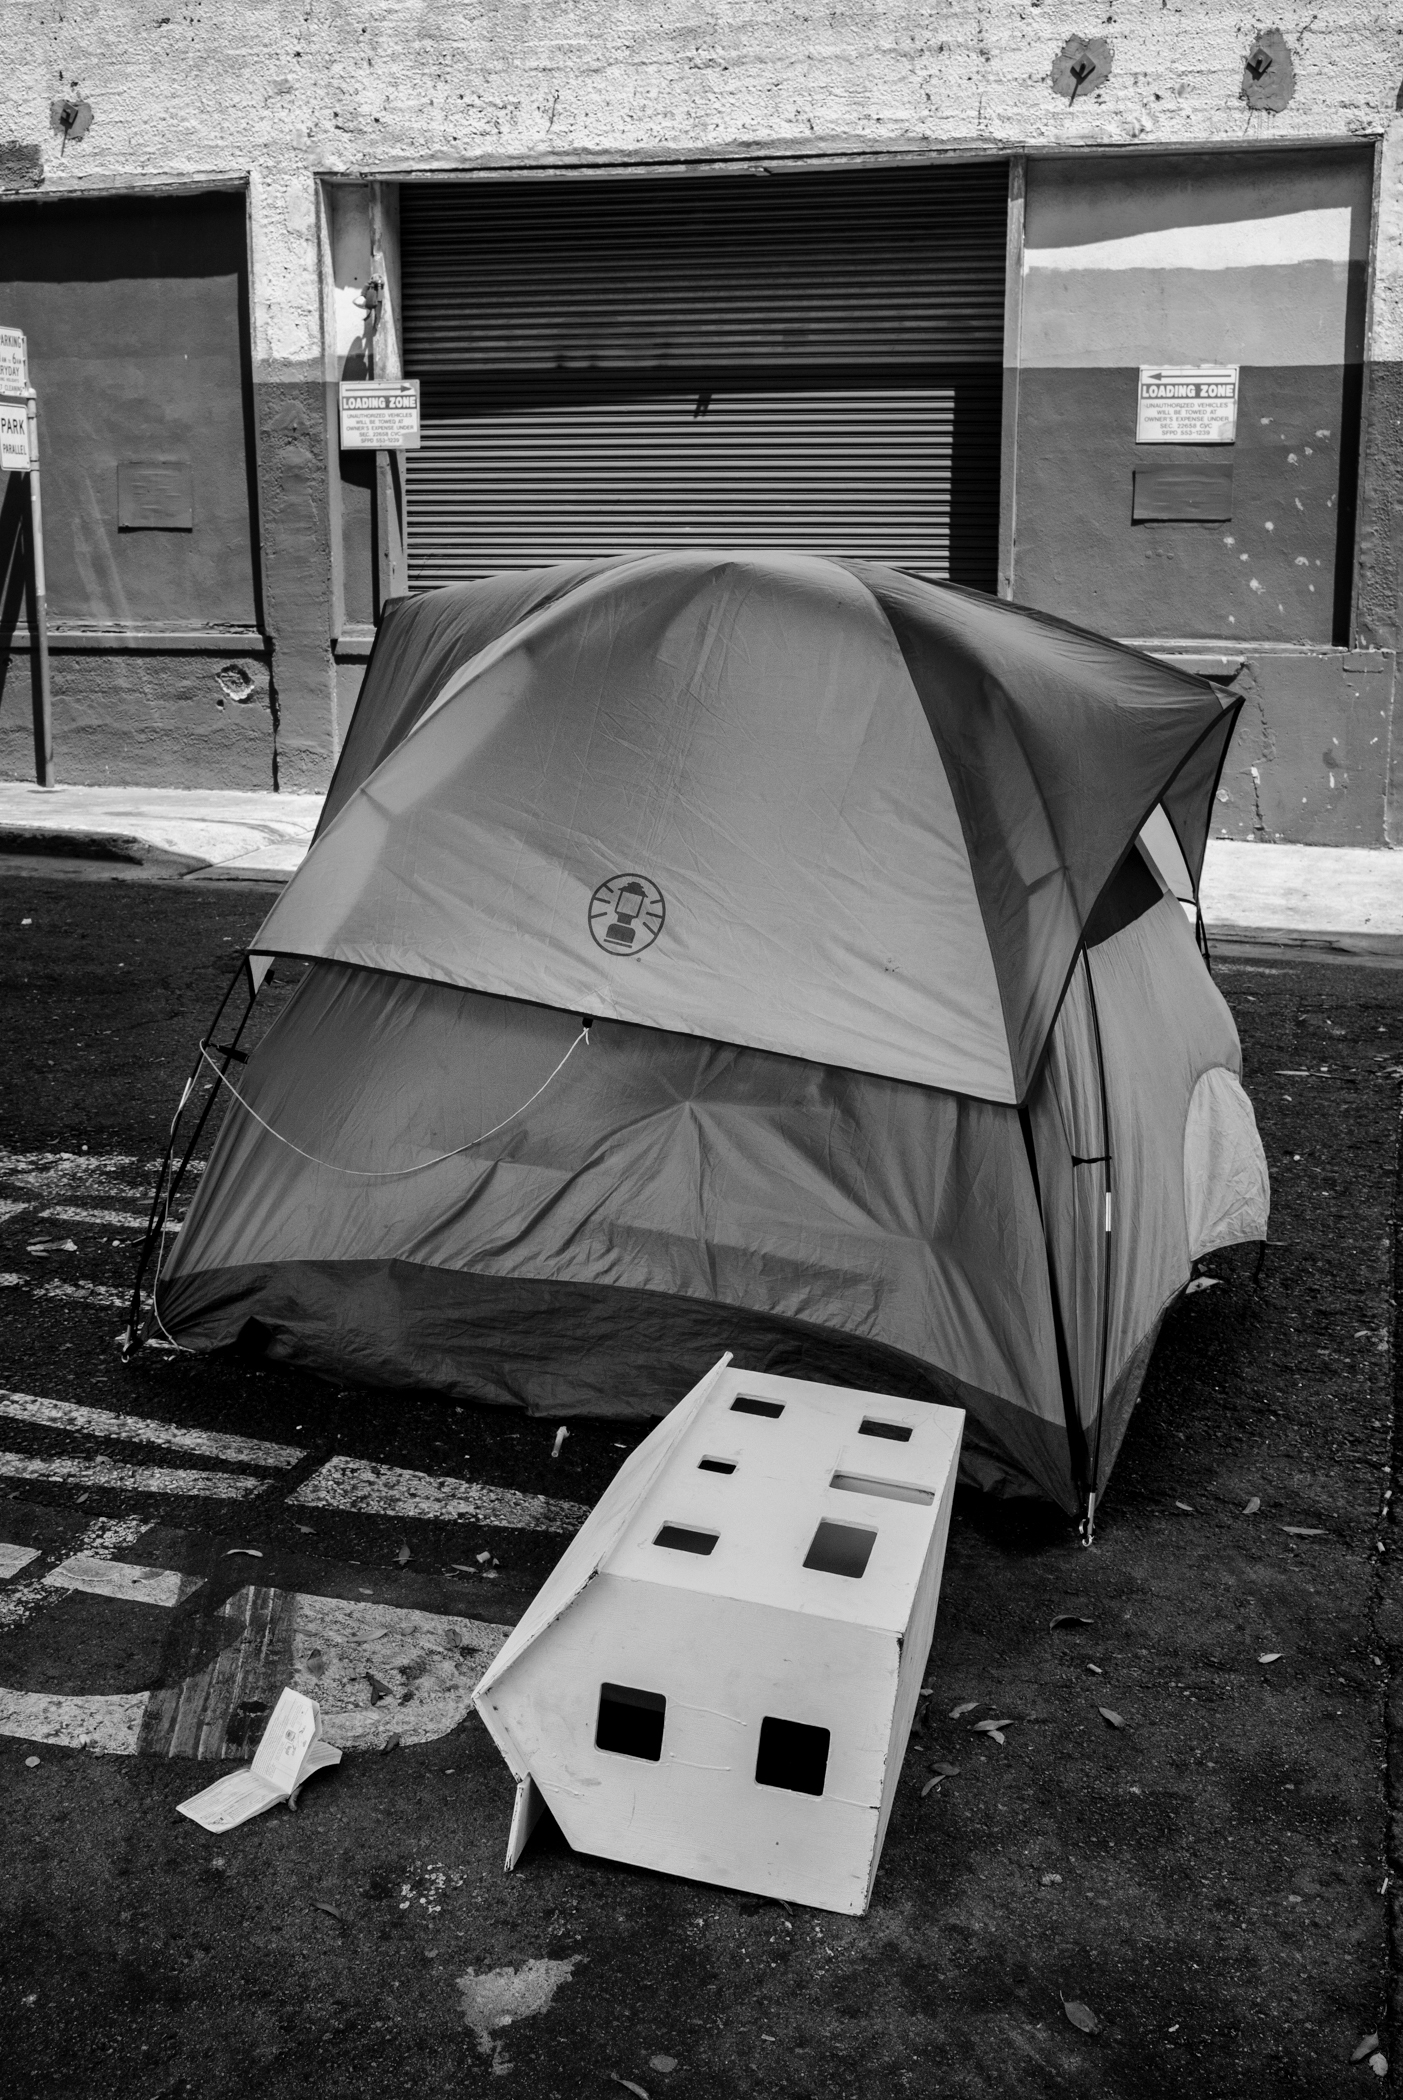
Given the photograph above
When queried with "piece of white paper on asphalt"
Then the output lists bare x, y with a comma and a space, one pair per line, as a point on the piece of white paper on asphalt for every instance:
288, 1754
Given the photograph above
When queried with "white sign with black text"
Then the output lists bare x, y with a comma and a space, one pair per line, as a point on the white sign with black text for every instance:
14, 361
379, 415
1187, 405
14, 434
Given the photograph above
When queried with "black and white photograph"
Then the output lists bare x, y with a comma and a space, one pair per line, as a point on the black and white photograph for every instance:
701, 1050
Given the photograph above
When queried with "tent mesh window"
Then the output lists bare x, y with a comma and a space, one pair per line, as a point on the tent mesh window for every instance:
630, 1722
809, 360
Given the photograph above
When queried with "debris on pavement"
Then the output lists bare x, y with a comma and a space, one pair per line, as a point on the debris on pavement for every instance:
1111, 1717
497, 1997
290, 1752
558, 1446
1365, 2046
1081, 2016
1249, 1509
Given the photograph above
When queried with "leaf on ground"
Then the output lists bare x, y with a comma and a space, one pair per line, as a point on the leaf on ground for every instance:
251, 1552
331, 1911
1249, 1509
629, 2086
1096, 1669
1111, 1717
938, 1773
1081, 2016
966, 1706
1202, 1283
993, 1727
1365, 2046
1303, 1531
403, 1556
1273, 1655
1068, 1618
1378, 2064
662, 2063
378, 1691
1187, 1507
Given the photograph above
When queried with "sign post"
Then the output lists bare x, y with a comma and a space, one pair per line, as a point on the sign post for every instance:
19, 454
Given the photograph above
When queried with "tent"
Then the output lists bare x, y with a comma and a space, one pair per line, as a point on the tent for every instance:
742, 951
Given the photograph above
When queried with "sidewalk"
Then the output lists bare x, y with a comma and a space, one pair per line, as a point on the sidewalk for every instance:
1346, 898
164, 832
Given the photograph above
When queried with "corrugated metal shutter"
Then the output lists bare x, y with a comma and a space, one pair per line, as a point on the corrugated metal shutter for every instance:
753, 360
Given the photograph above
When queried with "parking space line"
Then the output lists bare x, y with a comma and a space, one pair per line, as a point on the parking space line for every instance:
139, 1429
119, 1579
138, 1480
393, 1491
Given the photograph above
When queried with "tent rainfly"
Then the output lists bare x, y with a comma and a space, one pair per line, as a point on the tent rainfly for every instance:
719, 1677
900, 1067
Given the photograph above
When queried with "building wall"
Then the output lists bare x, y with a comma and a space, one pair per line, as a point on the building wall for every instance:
286, 102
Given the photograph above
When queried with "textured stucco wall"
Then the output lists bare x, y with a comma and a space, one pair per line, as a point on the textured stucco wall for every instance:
276, 94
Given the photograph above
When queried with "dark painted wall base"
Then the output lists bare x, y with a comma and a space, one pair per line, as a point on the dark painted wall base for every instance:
127, 719
1310, 763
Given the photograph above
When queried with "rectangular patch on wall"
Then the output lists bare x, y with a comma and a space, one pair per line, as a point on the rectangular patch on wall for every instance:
1181, 495
155, 495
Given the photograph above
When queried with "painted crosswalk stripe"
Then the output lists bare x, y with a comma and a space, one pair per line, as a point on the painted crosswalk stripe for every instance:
13, 1558
136, 1480
120, 1580
140, 1429
393, 1491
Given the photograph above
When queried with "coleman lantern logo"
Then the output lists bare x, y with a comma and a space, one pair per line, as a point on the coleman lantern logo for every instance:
626, 914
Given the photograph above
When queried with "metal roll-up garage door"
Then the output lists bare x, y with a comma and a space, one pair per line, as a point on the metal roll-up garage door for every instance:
801, 360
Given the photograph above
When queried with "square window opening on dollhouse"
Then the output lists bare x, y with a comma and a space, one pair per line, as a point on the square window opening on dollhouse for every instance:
630, 1722
840, 1549
792, 1755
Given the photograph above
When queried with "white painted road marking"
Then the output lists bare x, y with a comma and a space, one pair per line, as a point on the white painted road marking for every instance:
70, 1293
106, 1535
140, 1480
119, 1579
139, 1429
13, 1558
380, 1673
393, 1491
108, 1721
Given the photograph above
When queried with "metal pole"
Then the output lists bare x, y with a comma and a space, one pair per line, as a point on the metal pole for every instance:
39, 616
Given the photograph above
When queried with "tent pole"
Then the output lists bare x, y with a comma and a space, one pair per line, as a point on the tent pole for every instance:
1089, 1522
1076, 1441
163, 1196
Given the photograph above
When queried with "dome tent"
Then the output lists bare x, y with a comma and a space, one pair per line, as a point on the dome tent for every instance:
903, 1069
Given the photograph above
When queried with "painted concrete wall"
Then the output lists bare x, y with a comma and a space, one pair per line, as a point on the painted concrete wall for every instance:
276, 96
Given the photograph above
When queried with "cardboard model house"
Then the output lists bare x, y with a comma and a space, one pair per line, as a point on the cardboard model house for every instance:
719, 1677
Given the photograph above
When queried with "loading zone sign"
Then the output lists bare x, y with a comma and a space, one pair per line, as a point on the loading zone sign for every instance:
379, 415
1187, 405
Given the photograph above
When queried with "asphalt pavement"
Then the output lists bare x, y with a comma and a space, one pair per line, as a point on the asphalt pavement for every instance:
1188, 1827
